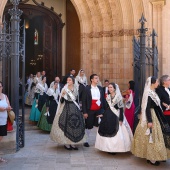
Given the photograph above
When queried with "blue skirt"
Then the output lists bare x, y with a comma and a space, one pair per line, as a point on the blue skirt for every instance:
35, 113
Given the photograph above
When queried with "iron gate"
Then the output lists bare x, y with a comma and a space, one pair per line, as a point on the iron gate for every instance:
12, 55
145, 62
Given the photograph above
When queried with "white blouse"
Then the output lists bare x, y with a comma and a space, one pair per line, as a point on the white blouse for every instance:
3, 114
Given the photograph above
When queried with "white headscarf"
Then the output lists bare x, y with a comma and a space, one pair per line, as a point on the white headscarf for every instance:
82, 80
148, 92
118, 99
145, 101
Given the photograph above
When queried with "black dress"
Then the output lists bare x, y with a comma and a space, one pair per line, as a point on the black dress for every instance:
162, 120
71, 121
109, 124
52, 104
41, 100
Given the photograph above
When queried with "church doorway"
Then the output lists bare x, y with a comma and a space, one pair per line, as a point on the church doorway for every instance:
43, 39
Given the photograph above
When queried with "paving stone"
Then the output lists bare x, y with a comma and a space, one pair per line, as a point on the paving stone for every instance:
40, 153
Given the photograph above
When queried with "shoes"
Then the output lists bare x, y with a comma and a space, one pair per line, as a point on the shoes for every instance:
86, 144
163, 161
111, 153
155, 164
67, 148
73, 147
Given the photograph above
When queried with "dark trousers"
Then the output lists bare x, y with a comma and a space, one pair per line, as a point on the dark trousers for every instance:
92, 120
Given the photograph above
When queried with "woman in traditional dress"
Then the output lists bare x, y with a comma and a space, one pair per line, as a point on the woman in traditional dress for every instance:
37, 78
49, 109
129, 103
114, 133
152, 135
30, 92
81, 81
68, 127
41, 96
29, 100
40, 99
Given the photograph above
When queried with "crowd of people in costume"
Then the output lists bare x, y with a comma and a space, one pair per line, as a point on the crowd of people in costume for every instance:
70, 109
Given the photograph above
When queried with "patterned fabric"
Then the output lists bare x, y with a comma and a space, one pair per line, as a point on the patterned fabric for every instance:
141, 147
68, 125
42, 123
71, 122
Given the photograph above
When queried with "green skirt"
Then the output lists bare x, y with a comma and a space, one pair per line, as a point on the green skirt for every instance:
42, 123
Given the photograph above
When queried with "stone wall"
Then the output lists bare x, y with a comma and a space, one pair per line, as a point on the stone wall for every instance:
107, 29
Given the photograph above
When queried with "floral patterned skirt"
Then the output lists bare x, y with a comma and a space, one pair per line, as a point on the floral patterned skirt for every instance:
141, 147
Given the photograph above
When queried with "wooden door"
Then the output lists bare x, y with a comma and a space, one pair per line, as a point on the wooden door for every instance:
49, 52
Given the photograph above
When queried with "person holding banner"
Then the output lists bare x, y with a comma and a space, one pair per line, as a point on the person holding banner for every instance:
114, 133
68, 126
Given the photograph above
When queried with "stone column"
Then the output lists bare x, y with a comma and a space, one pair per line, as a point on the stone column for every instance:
157, 8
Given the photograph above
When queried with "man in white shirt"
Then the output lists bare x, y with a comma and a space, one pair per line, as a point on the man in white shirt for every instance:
93, 104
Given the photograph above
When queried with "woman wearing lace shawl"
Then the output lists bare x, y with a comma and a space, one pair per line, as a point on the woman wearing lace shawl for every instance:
50, 107
152, 135
68, 126
40, 99
81, 81
114, 134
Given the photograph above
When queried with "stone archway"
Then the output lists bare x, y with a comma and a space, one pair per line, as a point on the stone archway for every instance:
107, 28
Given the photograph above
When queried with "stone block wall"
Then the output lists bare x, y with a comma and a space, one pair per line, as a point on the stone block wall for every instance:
107, 29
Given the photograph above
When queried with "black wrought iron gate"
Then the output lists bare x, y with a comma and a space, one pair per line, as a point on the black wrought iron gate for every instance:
12, 55
145, 62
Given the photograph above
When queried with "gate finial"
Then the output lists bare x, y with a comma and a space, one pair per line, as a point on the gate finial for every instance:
154, 33
142, 20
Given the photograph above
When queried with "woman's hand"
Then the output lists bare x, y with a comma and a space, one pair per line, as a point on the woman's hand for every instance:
63, 93
150, 125
165, 105
85, 115
100, 115
47, 109
9, 108
120, 123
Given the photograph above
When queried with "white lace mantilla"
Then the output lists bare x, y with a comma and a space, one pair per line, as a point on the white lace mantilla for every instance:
155, 97
40, 88
51, 92
112, 102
